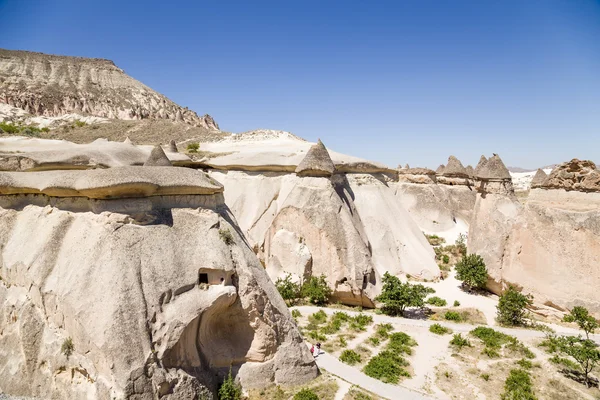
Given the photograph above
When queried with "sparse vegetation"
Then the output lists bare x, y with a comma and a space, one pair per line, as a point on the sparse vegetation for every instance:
439, 329
79, 123
397, 296
494, 341
350, 357
518, 386
452, 316
289, 290
67, 347
193, 147
512, 307
229, 389
226, 236
456, 303
296, 313
459, 341
435, 240
306, 394
436, 301
471, 270
317, 290
445, 258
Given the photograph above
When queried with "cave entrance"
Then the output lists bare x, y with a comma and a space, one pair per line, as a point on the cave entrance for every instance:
203, 278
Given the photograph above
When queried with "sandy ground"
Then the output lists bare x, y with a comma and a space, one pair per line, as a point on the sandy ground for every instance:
437, 371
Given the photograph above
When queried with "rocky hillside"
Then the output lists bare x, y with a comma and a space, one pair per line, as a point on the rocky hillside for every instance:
52, 86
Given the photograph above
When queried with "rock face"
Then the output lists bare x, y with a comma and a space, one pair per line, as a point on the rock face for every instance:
574, 175
50, 85
549, 247
156, 302
317, 162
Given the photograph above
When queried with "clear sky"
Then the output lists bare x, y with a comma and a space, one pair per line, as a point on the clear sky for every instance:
391, 81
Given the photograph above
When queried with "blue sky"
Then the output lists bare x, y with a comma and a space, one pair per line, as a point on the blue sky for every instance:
391, 81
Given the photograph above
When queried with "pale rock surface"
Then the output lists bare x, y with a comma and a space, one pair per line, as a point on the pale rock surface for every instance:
126, 291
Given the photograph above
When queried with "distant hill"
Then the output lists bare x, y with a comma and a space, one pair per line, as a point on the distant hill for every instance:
52, 86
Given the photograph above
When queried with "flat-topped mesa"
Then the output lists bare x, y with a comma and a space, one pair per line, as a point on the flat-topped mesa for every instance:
538, 179
417, 175
493, 176
317, 162
158, 158
574, 175
454, 173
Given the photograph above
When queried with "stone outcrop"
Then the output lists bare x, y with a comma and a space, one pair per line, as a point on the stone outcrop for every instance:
50, 85
479, 167
492, 176
173, 147
155, 302
539, 178
417, 175
158, 158
317, 162
550, 246
574, 175
454, 168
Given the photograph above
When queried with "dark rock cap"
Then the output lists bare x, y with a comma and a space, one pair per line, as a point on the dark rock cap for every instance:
158, 158
494, 169
440, 169
317, 162
173, 147
539, 178
454, 168
480, 165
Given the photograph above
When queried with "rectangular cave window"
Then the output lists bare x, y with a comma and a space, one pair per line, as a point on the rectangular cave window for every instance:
202, 278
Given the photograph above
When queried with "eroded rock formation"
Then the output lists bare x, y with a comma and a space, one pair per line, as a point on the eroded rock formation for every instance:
50, 85
550, 247
130, 264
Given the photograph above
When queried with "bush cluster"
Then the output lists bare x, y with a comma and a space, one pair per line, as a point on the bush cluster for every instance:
397, 296
512, 307
459, 341
389, 365
452, 316
518, 386
471, 270
439, 329
436, 301
350, 357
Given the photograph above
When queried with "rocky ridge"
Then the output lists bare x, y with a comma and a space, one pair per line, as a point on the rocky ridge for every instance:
52, 86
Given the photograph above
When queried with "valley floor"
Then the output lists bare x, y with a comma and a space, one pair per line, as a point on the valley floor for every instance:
438, 370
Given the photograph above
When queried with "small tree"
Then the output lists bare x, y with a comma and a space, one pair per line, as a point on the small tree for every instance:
512, 307
230, 390
317, 290
288, 290
397, 296
584, 351
581, 316
67, 347
193, 147
471, 271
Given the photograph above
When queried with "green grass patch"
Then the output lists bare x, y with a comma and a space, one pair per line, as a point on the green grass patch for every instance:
439, 329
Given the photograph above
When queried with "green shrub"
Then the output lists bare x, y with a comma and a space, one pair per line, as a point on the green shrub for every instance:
439, 329
471, 271
342, 341
193, 147
397, 296
67, 347
296, 313
436, 301
525, 364
350, 357
306, 394
456, 303
383, 330
79, 123
491, 352
314, 335
229, 390
490, 337
459, 341
511, 308
317, 290
452, 316
518, 386
45, 129
9, 128
445, 259
435, 240
319, 316
400, 342
387, 366
374, 340
289, 290
584, 351
226, 236
461, 244
581, 316
486, 377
